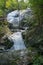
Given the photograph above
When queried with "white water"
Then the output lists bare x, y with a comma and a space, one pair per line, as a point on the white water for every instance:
16, 16
18, 41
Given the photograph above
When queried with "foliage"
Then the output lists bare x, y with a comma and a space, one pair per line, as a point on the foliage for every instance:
1, 32
34, 35
35, 31
12, 4
38, 60
22, 5
8, 43
37, 7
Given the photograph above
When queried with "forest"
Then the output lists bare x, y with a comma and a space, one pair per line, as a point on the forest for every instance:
21, 32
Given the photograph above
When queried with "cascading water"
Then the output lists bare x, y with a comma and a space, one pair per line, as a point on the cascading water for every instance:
18, 41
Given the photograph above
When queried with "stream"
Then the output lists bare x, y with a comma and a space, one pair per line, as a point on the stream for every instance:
15, 18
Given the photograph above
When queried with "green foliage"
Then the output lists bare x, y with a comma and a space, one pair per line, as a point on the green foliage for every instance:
8, 43
12, 4
38, 60
34, 35
22, 5
1, 32
37, 7
35, 31
3, 6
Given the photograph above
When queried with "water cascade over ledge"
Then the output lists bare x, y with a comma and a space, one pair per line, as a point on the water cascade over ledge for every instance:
18, 41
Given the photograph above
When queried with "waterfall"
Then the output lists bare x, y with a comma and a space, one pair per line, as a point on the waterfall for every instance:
18, 41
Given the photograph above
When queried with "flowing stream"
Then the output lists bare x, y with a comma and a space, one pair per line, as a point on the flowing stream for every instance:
14, 18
